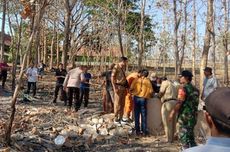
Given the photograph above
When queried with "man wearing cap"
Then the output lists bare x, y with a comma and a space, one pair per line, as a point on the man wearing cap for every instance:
186, 108
168, 98
209, 84
217, 115
119, 83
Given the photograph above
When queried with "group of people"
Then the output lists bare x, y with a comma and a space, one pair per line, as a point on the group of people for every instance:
131, 93
74, 84
127, 95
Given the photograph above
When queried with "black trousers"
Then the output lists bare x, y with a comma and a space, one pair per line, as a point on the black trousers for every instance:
63, 93
73, 94
3, 77
84, 94
34, 88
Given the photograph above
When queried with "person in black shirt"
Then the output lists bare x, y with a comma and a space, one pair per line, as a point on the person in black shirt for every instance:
60, 76
108, 98
4, 67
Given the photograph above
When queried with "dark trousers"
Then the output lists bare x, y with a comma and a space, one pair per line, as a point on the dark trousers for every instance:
33, 84
3, 77
63, 93
84, 94
109, 101
140, 109
73, 94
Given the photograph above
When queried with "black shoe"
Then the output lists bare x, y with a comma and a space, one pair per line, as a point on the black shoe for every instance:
145, 134
54, 101
138, 133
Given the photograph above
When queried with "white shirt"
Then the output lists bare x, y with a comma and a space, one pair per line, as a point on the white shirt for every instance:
214, 144
32, 74
209, 85
73, 78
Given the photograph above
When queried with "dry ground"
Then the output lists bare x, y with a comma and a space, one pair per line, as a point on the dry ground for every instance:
38, 123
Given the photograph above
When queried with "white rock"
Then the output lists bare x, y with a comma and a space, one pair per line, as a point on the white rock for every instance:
95, 120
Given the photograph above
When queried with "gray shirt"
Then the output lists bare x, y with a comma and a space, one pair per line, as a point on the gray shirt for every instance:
214, 144
209, 85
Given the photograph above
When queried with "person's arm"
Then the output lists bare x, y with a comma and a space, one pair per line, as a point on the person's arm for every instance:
181, 99
82, 78
202, 89
66, 82
36, 73
113, 79
162, 89
27, 72
215, 85
133, 85
151, 91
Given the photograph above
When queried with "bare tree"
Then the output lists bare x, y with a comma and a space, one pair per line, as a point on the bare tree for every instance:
214, 43
141, 45
225, 43
38, 18
119, 24
183, 37
52, 46
194, 42
69, 5
3, 29
176, 27
207, 39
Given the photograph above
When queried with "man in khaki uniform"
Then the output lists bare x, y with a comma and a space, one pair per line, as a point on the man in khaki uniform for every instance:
168, 98
119, 84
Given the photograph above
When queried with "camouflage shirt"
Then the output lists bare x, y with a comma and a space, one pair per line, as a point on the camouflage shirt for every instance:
187, 116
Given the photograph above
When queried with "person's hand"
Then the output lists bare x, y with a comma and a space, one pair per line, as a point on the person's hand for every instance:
65, 88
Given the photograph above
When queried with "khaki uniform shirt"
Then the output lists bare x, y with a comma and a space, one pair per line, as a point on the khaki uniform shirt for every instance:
168, 91
119, 75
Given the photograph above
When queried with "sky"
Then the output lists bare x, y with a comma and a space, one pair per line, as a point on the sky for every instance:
157, 14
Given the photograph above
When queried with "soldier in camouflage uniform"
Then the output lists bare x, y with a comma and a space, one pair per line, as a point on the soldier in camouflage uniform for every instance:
186, 108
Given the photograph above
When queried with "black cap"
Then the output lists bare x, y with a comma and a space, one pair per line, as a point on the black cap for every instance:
145, 72
208, 69
218, 105
123, 58
186, 73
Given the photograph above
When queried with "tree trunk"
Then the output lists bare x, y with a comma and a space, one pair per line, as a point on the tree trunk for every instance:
194, 43
36, 46
176, 26
207, 39
141, 35
14, 99
14, 70
119, 26
184, 37
213, 45
39, 49
225, 43
57, 51
52, 47
2, 49
164, 62
66, 34
44, 48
